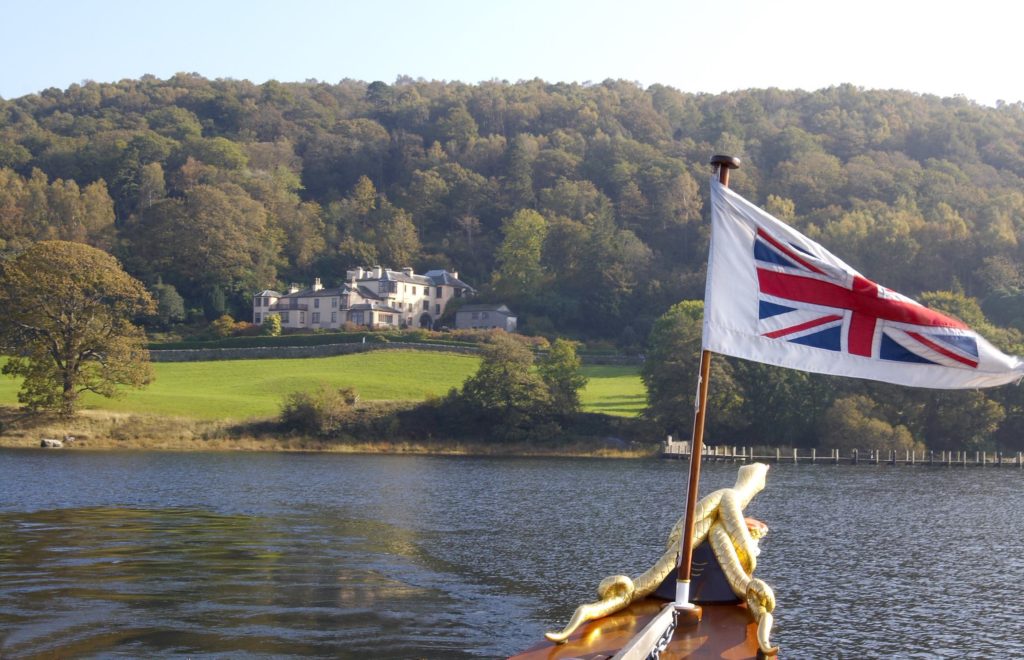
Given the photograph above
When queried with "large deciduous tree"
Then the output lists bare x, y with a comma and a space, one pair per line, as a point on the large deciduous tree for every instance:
561, 371
505, 389
67, 325
671, 369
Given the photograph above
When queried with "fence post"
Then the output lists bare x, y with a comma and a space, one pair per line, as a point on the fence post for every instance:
855, 456
778, 455
814, 454
794, 455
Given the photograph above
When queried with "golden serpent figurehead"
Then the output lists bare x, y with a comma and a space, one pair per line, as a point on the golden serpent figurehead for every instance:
719, 520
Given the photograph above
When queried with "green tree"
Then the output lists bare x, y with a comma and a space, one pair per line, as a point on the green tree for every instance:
505, 389
561, 371
671, 368
170, 306
67, 325
519, 267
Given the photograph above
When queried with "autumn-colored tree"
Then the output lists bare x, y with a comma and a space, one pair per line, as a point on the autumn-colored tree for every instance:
67, 326
856, 422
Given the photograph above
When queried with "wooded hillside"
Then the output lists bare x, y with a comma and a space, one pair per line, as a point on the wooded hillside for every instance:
581, 206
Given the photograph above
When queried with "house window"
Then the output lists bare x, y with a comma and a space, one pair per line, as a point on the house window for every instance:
316, 303
437, 309
476, 315
385, 318
458, 293
284, 317
316, 317
437, 294
257, 318
357, 317
426, 305
334, 303
334, 317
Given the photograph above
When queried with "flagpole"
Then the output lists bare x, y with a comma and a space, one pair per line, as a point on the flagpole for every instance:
722, 164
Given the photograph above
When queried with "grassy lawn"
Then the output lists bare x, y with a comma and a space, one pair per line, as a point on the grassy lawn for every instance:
240, 389
614, 390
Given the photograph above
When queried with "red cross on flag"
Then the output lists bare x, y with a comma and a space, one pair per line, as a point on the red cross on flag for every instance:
775, 296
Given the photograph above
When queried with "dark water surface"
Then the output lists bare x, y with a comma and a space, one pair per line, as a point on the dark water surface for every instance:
297, 555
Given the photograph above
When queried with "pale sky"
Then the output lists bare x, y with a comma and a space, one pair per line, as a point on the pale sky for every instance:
937, 47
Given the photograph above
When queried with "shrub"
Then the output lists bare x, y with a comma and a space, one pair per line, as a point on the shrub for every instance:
271, 326
223, 326
855, 422
321, 412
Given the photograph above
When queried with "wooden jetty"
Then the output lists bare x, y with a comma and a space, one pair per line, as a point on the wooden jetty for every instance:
734, 454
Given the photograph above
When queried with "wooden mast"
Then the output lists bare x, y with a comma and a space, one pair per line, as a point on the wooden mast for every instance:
723, 164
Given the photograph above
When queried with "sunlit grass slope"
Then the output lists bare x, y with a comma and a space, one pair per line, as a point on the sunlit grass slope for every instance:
241, 389
614, 390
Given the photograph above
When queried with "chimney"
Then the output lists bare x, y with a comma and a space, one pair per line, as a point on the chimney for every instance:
316, 284
293, 288
454, 273
378, 272
407, 271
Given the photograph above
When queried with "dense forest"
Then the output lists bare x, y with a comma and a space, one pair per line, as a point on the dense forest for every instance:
581, 206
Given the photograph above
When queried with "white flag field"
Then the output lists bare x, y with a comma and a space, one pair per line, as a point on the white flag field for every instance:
775, 296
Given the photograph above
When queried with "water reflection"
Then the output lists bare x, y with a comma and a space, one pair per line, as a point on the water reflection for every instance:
396, 557
84, 581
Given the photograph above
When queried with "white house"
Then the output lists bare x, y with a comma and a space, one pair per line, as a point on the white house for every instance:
375, 297
485, 316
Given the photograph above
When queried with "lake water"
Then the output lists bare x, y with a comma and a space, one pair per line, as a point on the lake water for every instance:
278, 555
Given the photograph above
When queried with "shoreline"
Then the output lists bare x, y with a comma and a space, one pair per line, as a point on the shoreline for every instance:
94, 430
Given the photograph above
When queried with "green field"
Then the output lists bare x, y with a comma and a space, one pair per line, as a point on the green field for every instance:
242, 389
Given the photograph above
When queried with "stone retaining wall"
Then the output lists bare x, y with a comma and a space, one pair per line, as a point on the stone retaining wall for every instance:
285, 352
327, 350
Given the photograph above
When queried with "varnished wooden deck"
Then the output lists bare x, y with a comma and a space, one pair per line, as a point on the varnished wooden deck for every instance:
725, 631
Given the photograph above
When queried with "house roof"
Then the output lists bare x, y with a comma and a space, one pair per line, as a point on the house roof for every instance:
439, 277
366, 292
310, 293
399, 276
485, 308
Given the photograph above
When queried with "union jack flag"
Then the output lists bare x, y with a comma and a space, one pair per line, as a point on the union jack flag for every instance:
807, 301
775, 296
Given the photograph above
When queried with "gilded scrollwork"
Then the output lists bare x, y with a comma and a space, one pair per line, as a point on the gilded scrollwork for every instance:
719, 520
